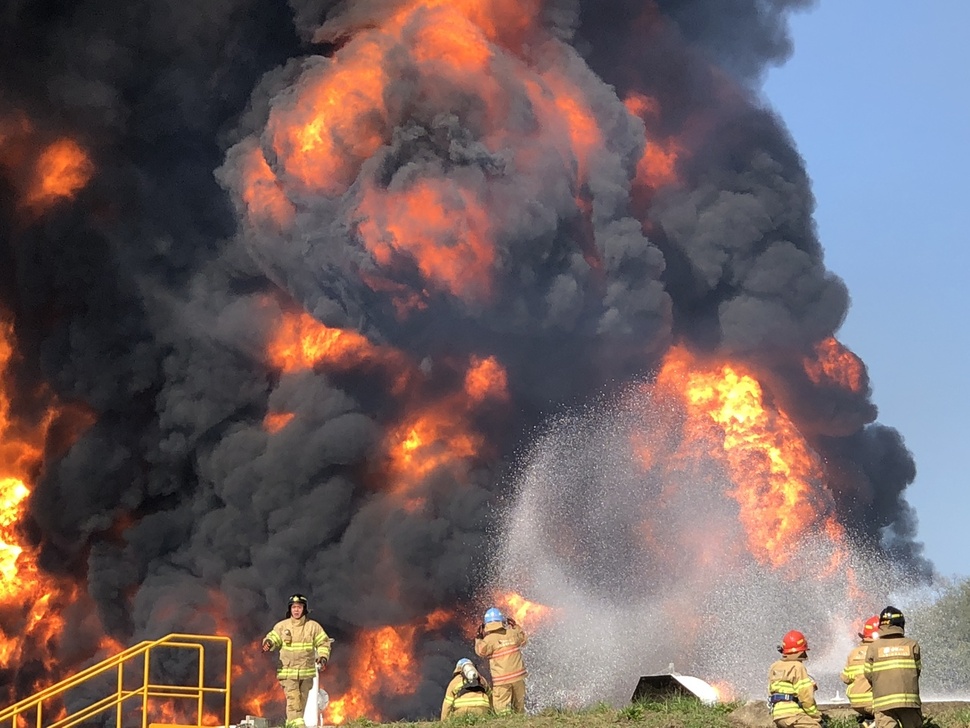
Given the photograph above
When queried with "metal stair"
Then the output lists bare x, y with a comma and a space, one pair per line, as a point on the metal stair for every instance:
131, 698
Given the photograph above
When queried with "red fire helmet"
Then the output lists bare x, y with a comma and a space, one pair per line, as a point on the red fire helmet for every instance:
793, 642
870, 630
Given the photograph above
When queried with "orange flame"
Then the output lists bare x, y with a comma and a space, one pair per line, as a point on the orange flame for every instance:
438, 619
486, 379
382, 663
338, 118
435, 437
262, 193
29, 598
836, 365
301, 342
452, 43
258, 692
12, 494
56, 172
335, 122
342, 110
657, 166
429, 435
273, 422
521, 609
439, 434
62, 169
560, 100
440, 225
778, 479
499, 20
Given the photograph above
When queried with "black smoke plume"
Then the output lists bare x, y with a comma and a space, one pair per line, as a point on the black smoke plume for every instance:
150, 298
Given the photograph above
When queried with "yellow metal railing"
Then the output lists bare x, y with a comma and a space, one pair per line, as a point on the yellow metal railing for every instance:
117, 699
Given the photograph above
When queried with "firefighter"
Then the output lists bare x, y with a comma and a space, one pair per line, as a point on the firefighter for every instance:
791, 690
301, 642
859, 691
892, 667
468, 693
499, 639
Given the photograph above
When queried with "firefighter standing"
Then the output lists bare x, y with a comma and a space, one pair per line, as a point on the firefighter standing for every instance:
301, 642
499, 639
859, 691
791, 690
893, 666
468, 693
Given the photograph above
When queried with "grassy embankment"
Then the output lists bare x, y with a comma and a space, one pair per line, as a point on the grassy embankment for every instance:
674, 713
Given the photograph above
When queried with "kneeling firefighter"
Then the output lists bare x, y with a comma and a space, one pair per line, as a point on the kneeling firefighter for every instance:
859, 691
468, 693
791, 690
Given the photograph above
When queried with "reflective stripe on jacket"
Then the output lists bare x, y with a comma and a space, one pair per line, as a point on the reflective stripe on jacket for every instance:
859, 691
501, 646
893, 667
300, 642
788, 676
459, 700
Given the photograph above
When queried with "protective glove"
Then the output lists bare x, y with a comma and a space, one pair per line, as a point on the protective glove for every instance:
480, 634
511, 622
321, 663
267, 645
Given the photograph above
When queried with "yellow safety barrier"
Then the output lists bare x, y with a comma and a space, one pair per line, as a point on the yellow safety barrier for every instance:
33, 707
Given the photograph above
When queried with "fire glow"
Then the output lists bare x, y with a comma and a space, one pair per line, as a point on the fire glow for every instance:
424, 235
430, 435
43, 172
301, 342
475, 205
658, 165
30, 599
778, 479
522, 610
835, 364
383, 663
62, 169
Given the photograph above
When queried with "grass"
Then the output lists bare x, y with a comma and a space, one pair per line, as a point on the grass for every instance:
670, 713
673, 713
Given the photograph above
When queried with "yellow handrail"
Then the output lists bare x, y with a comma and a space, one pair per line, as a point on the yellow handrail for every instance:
145, 691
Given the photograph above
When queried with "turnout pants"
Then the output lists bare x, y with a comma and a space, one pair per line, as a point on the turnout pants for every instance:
799, 721
509, 697
899, 718
471, 710
296, 691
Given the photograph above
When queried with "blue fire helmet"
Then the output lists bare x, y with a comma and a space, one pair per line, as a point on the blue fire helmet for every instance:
461, 663
493, 614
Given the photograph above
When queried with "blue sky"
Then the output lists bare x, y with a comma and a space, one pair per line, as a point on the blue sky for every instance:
877, 98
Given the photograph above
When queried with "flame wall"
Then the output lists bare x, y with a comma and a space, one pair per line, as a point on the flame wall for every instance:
317, 272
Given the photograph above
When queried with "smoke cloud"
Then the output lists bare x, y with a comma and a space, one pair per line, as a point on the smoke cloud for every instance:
453, 181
